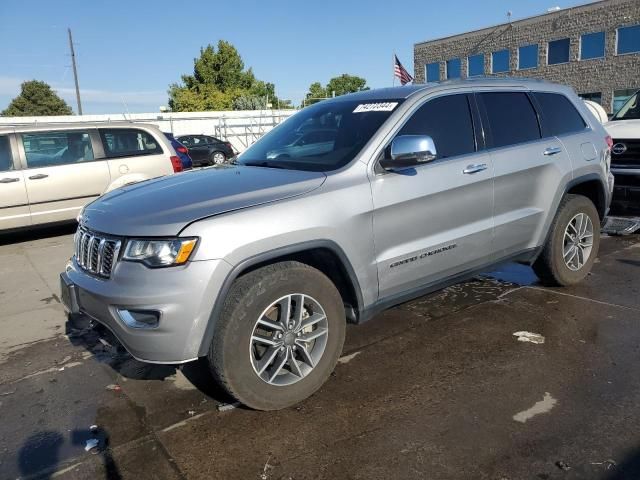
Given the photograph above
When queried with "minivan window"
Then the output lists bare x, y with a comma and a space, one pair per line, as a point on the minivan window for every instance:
128, 142
558, 114
47, 149
346, 125
6, 162
511, 118
447, 120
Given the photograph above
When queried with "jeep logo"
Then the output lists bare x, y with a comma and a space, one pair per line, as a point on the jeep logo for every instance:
619, 148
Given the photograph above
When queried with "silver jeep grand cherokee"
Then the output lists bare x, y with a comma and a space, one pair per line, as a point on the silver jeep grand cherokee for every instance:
257, 266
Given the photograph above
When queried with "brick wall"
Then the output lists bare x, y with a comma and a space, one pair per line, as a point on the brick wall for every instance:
613, 72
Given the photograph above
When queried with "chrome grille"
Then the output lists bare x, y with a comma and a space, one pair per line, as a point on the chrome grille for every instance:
95, 253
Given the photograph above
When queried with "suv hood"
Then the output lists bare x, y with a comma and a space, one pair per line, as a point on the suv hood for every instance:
164, 206
626, 129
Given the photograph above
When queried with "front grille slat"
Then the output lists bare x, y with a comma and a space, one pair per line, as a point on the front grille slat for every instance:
630, 158
95, 253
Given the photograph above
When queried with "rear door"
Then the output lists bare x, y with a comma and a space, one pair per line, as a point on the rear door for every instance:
199, 148
135, 153
435, 220
14, 203
561, 120
61, 173
529, 169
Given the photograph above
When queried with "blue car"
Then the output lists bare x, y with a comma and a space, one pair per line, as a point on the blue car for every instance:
181, 151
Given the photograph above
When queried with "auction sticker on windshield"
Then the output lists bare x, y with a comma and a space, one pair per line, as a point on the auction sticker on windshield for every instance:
376, 107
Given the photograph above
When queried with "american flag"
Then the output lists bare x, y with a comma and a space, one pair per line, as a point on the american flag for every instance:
400, 72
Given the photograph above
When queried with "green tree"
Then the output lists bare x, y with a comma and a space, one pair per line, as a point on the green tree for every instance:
340, 85
315, 94
346, 83
220, 82
36, 99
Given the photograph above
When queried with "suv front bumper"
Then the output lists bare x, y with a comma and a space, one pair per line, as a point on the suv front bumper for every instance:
181, 298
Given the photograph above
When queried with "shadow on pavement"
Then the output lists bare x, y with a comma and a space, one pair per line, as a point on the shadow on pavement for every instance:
37, 233
106, 348
39, 457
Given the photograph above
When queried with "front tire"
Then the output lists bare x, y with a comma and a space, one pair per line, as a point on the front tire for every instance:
279, 336
572, 246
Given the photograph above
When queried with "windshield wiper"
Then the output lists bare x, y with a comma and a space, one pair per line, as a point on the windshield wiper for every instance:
262, 164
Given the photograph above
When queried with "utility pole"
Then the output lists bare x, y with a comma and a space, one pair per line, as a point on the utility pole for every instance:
75, 72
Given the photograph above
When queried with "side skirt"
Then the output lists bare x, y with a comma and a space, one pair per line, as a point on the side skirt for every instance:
526, 257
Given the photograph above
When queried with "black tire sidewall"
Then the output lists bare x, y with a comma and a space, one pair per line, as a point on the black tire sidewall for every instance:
563, 274
240, 317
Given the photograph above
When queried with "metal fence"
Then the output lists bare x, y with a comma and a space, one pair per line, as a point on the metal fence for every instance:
241, 128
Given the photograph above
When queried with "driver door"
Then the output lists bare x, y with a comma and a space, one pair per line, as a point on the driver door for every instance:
435, 220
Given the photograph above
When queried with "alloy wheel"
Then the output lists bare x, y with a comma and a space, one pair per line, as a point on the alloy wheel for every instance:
577, 241
288, 339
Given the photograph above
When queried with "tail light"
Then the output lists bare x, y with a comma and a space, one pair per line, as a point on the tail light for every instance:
182, 150
176, 163
228, 144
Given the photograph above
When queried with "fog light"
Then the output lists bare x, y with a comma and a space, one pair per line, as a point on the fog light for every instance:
139, 318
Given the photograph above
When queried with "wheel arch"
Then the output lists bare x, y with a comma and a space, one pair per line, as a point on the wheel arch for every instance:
590, 186
324, 255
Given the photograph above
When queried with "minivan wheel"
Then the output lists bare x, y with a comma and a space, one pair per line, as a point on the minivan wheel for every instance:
218, 158
279, 335
572, 246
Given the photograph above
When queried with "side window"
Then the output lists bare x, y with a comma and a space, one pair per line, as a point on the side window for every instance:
558, 114
128, 142
448, 121
48, 149
6, 162
511, 118
209, 140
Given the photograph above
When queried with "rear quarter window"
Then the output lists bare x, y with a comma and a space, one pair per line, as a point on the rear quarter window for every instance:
128, 142
559, 115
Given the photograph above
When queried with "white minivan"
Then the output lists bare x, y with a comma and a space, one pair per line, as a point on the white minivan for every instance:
49, 172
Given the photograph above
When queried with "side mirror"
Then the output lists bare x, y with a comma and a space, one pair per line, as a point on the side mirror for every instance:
409, 151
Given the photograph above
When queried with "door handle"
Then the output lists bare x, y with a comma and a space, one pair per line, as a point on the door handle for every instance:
39, 176
9, 180
551, 151
475, 168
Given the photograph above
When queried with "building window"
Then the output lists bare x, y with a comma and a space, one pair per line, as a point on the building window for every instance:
558, 52
528, 57
453, 68
620, 97
592, 46
500, 61
432, 72
628, 40
475, 65
593, 96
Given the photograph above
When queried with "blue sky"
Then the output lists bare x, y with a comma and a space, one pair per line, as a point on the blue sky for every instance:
128, 52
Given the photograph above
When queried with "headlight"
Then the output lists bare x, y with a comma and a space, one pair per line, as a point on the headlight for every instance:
160, 252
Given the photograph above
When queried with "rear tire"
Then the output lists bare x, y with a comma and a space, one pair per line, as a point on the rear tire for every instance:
279, 372
572, 246
217, 158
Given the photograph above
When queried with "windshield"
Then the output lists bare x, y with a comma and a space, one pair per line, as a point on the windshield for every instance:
630, 110
323, 137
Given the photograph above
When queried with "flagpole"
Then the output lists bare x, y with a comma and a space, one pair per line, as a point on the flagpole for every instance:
393, 68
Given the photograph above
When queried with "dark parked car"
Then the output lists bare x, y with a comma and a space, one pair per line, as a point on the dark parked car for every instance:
206, 150
181, 151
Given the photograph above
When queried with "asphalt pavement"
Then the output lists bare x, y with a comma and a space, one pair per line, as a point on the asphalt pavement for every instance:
438, 388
